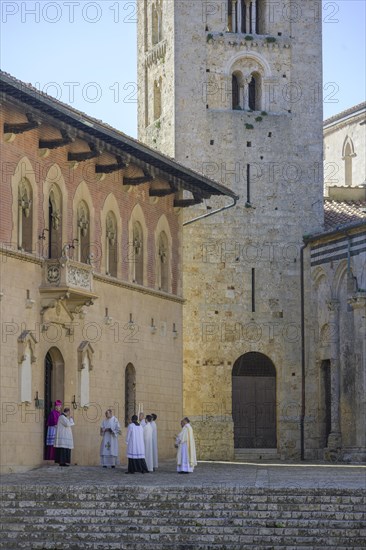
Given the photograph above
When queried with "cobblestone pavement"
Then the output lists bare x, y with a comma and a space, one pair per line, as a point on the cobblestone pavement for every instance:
206, 474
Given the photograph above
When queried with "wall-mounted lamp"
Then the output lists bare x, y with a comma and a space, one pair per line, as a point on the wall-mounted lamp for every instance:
107, 319
152, 326
29, 303
175, 333
73, 403
36, 400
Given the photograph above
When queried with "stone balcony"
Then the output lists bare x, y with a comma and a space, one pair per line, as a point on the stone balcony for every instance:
68, 282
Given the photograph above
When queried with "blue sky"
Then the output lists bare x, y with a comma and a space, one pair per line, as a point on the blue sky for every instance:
84, 53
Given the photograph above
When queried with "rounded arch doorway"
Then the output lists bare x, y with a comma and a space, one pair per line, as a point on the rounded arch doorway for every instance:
254, 402
130, 392
54, 380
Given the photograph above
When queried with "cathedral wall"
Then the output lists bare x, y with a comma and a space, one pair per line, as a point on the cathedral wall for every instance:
242, 266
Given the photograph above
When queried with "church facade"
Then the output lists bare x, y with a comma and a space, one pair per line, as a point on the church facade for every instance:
233, 89
90, 276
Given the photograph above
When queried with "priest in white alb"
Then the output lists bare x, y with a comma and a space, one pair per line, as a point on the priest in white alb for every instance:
148, 441
109, 430
186, 455
155, 440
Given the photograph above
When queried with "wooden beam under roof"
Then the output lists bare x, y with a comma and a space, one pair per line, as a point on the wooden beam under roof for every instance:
85, 155
56, 143
21, 127
109, 168
139, 180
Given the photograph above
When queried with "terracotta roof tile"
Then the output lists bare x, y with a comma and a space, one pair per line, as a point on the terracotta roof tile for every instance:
337, 213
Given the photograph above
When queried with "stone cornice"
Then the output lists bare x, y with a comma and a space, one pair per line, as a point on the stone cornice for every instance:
32, 258
21, 255
256, 41
137, 288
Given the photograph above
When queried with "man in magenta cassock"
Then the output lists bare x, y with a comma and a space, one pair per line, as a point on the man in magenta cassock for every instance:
51, 430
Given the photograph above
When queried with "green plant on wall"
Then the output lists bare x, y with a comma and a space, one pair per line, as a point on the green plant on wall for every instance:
249, 126
209, 37
247, 37
270, 39
258, 119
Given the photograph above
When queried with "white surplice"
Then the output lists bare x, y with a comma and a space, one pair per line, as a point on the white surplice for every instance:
155, 444
135, 441
148, 441
64, 437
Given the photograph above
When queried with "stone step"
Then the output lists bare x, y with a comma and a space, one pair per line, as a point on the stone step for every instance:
133, 518
256, 455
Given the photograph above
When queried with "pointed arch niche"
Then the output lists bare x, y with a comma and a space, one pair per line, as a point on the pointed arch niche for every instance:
348, 153
84, 225
163, 255
54, 212
85, 365
26, 357
24, 207
111, 225
137, 246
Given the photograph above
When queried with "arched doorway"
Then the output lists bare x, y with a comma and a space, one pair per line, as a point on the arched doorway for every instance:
254, 402
54, 368
130, 392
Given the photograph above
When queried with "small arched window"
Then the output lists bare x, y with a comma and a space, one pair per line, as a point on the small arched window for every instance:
235, 91
25, 216
157, 98
138, 254
111, 245
254, 92
83, 235
156, 26
163, 267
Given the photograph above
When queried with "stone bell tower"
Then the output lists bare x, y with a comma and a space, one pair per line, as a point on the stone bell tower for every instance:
233, 88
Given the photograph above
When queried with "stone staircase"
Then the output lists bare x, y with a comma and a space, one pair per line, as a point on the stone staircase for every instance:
257, 455
181, 518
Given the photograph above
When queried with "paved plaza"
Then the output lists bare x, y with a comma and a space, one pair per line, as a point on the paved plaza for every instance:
207, 474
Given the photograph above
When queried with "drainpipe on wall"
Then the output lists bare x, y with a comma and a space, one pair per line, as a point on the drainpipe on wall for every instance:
302, 415
235, 200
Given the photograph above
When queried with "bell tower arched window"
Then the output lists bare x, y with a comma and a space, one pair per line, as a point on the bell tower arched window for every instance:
254, 92
25, 216
83, 228
235, 91
245, 16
